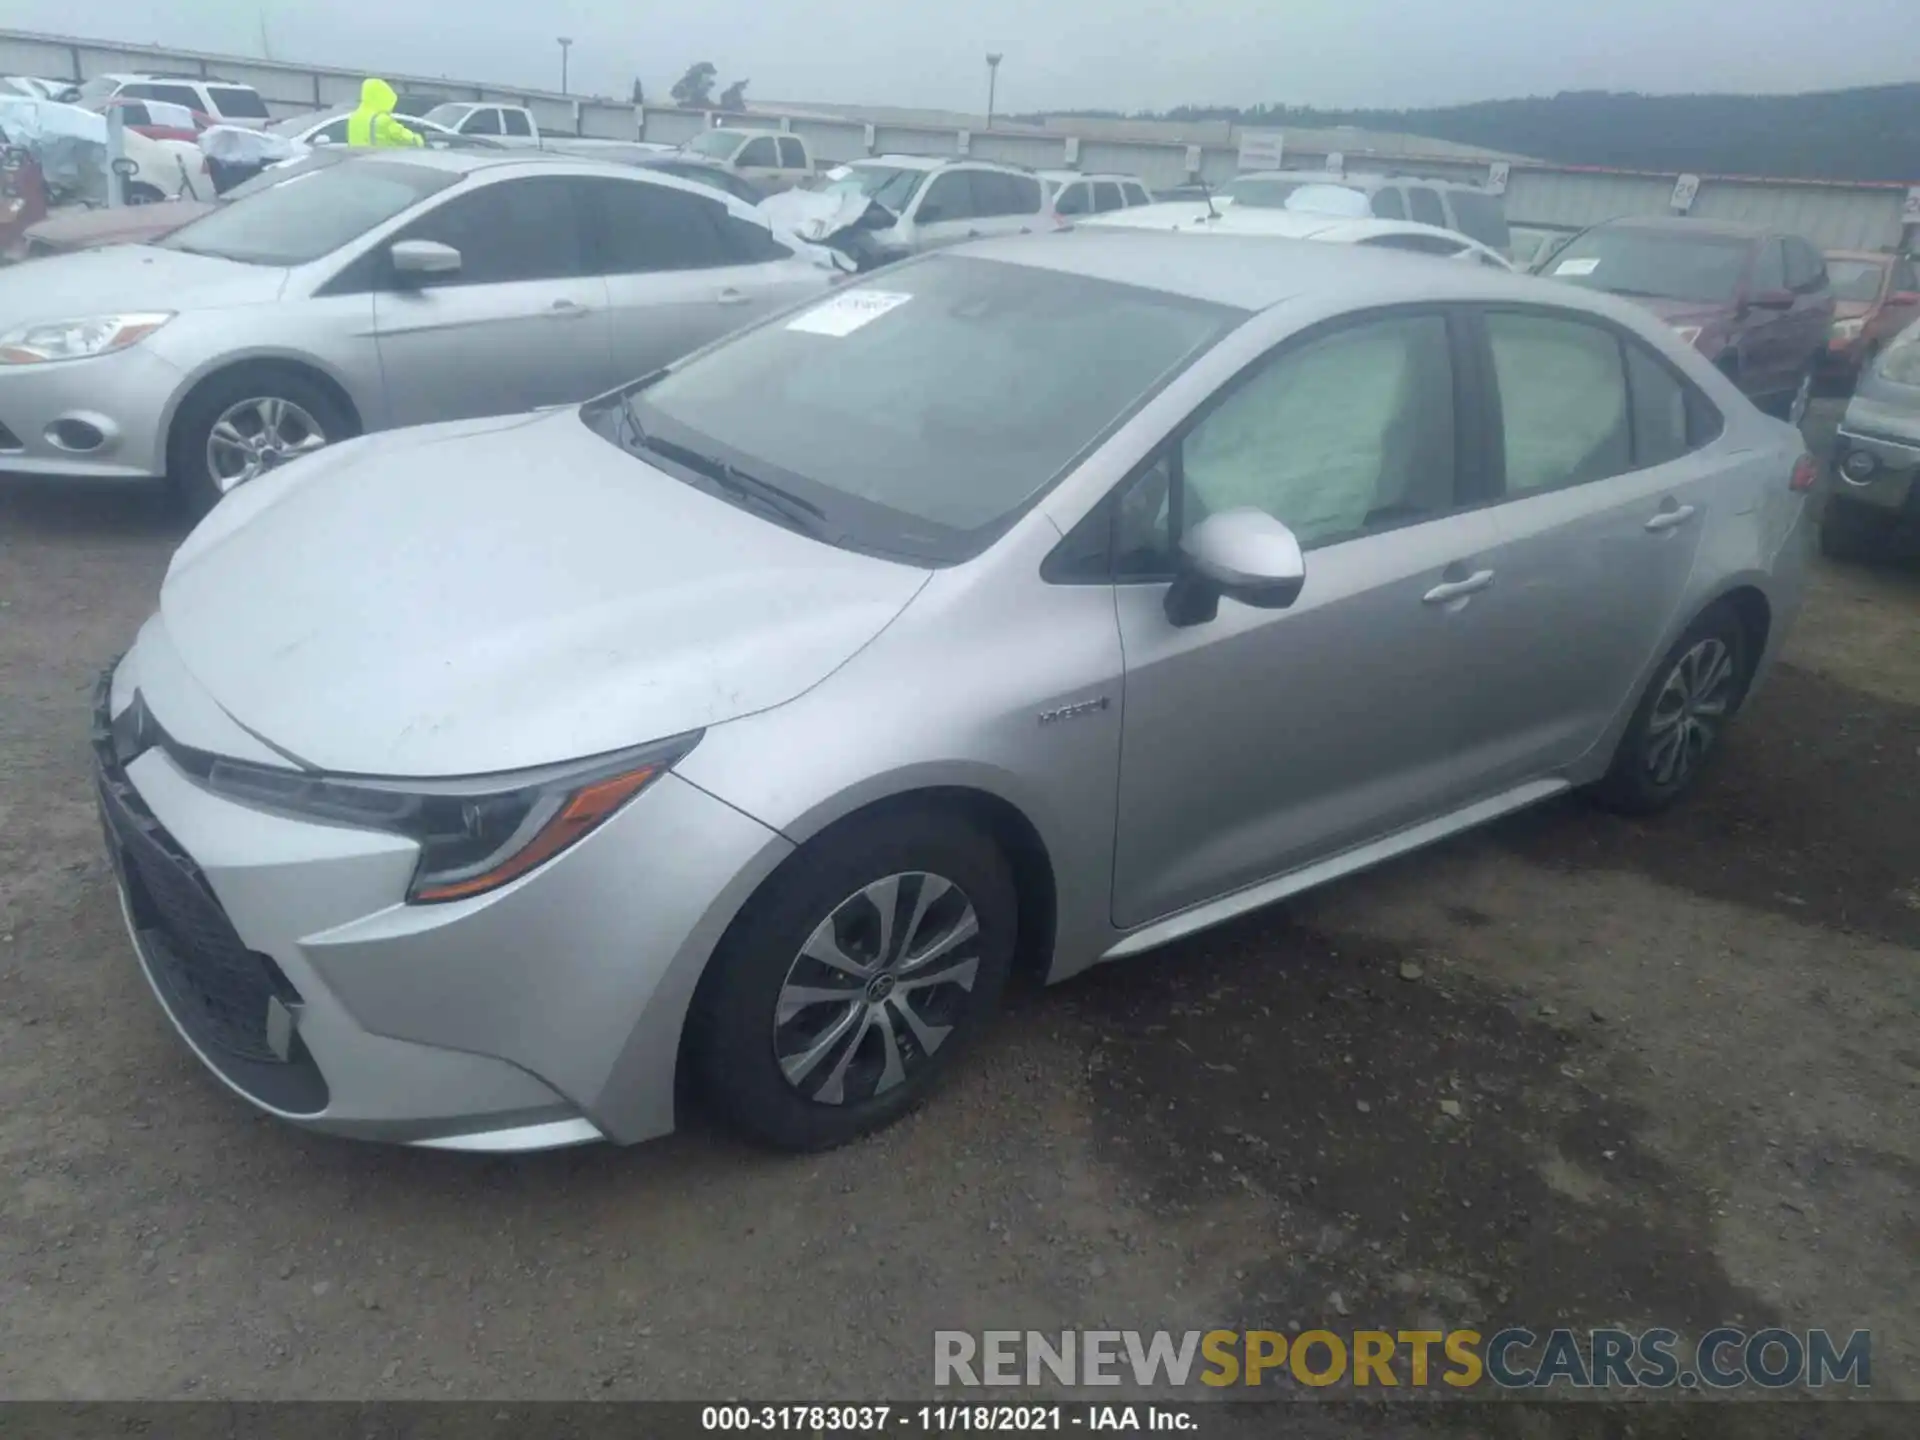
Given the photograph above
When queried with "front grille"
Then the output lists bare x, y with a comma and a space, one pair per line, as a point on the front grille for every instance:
217, 988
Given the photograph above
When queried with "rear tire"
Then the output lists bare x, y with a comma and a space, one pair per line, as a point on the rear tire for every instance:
1696, 691
1850, 530
803, 1053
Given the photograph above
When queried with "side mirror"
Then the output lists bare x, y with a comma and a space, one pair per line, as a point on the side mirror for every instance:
1245, 555
1771, 299
419, 258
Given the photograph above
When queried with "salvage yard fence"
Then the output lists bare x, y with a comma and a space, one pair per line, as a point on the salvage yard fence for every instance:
1835, 215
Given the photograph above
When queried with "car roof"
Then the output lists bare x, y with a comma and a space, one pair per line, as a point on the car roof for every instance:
1254, 272
1687, 225
1195, 217
938, 162
1878, 257
1067, 177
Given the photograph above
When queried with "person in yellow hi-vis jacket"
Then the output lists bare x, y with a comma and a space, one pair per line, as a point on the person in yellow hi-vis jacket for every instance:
373, 122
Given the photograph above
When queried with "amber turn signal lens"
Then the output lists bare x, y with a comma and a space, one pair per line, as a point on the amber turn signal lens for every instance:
585, 809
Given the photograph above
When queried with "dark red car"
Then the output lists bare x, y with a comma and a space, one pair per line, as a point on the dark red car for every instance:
1755, 302
1876, 296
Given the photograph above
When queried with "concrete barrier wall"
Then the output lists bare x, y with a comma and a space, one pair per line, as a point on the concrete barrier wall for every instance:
1833, 215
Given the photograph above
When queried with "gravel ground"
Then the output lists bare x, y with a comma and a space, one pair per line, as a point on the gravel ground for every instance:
1568, 1070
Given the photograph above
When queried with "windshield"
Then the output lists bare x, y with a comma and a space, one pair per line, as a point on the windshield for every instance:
920, 414
1660, 265
1856, 280
306, 216
1270, 191
892, 186
719, 144
448, 115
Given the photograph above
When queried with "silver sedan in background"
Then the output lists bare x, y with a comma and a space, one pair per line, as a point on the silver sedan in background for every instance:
389, 289
1038, 602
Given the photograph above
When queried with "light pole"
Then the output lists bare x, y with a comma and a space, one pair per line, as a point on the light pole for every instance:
993, 74
565, 45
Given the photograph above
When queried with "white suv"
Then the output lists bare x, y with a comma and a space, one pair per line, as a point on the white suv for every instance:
222, 100
943, 202
1077, 194
1469, 210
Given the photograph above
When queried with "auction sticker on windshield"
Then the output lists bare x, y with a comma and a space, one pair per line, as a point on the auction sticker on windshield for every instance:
847, 312
1577, 267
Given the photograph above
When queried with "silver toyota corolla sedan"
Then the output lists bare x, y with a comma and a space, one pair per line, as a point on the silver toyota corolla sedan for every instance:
392, 289
1037, 603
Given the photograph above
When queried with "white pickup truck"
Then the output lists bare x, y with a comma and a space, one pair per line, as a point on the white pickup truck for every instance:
515, 125
771, 159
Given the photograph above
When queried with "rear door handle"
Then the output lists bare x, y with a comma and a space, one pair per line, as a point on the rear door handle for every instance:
973, 234
1669, 519
1454, 589
568, 310
731, 296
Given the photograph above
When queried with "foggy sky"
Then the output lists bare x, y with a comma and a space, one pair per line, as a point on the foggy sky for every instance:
1116, 54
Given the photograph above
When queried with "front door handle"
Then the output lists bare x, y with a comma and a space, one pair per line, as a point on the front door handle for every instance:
568, 310
731, 296
1668, 519
1455, 589
973, 234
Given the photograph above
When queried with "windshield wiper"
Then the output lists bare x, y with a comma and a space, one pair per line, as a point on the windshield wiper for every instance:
795, 511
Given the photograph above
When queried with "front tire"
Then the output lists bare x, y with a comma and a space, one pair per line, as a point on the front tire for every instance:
1696, 690
854, 980
241, 424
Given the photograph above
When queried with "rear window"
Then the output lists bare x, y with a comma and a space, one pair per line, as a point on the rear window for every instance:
1267, 191
1856, 281
1481, 216
238, 101
923, 411
1423, 205
715, 144
310, 215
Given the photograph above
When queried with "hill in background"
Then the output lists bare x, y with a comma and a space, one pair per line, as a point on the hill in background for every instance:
1864, 134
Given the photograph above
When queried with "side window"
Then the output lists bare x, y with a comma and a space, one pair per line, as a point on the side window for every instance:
1769, 268
237, 101
634, 228
517, 123
137, 90
793, 155
1806, 267
758, 153
512, 230
1660, 429
334, 132
744, 242
1563, 401
1136, 194
134, 112
1073, 199
1387, 204
1424, 244
1424, 205
484, 121
1025, 194
1905, 278
184, 95
949, 197
1106, 196
1350, 432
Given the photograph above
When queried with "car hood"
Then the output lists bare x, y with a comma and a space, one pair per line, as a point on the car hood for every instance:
85, 229
490, 595
1681, 312
130, 277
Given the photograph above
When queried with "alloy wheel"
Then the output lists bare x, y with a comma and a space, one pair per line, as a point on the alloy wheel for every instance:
1692, 705
877, 988
253, 436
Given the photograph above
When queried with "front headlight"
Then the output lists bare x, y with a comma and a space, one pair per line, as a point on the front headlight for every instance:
474, 835
77, 339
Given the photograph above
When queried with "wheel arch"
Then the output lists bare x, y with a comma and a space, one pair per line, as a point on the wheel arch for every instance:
305, 366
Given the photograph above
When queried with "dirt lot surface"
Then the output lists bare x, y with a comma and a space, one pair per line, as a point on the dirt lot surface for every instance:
1569, 1070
